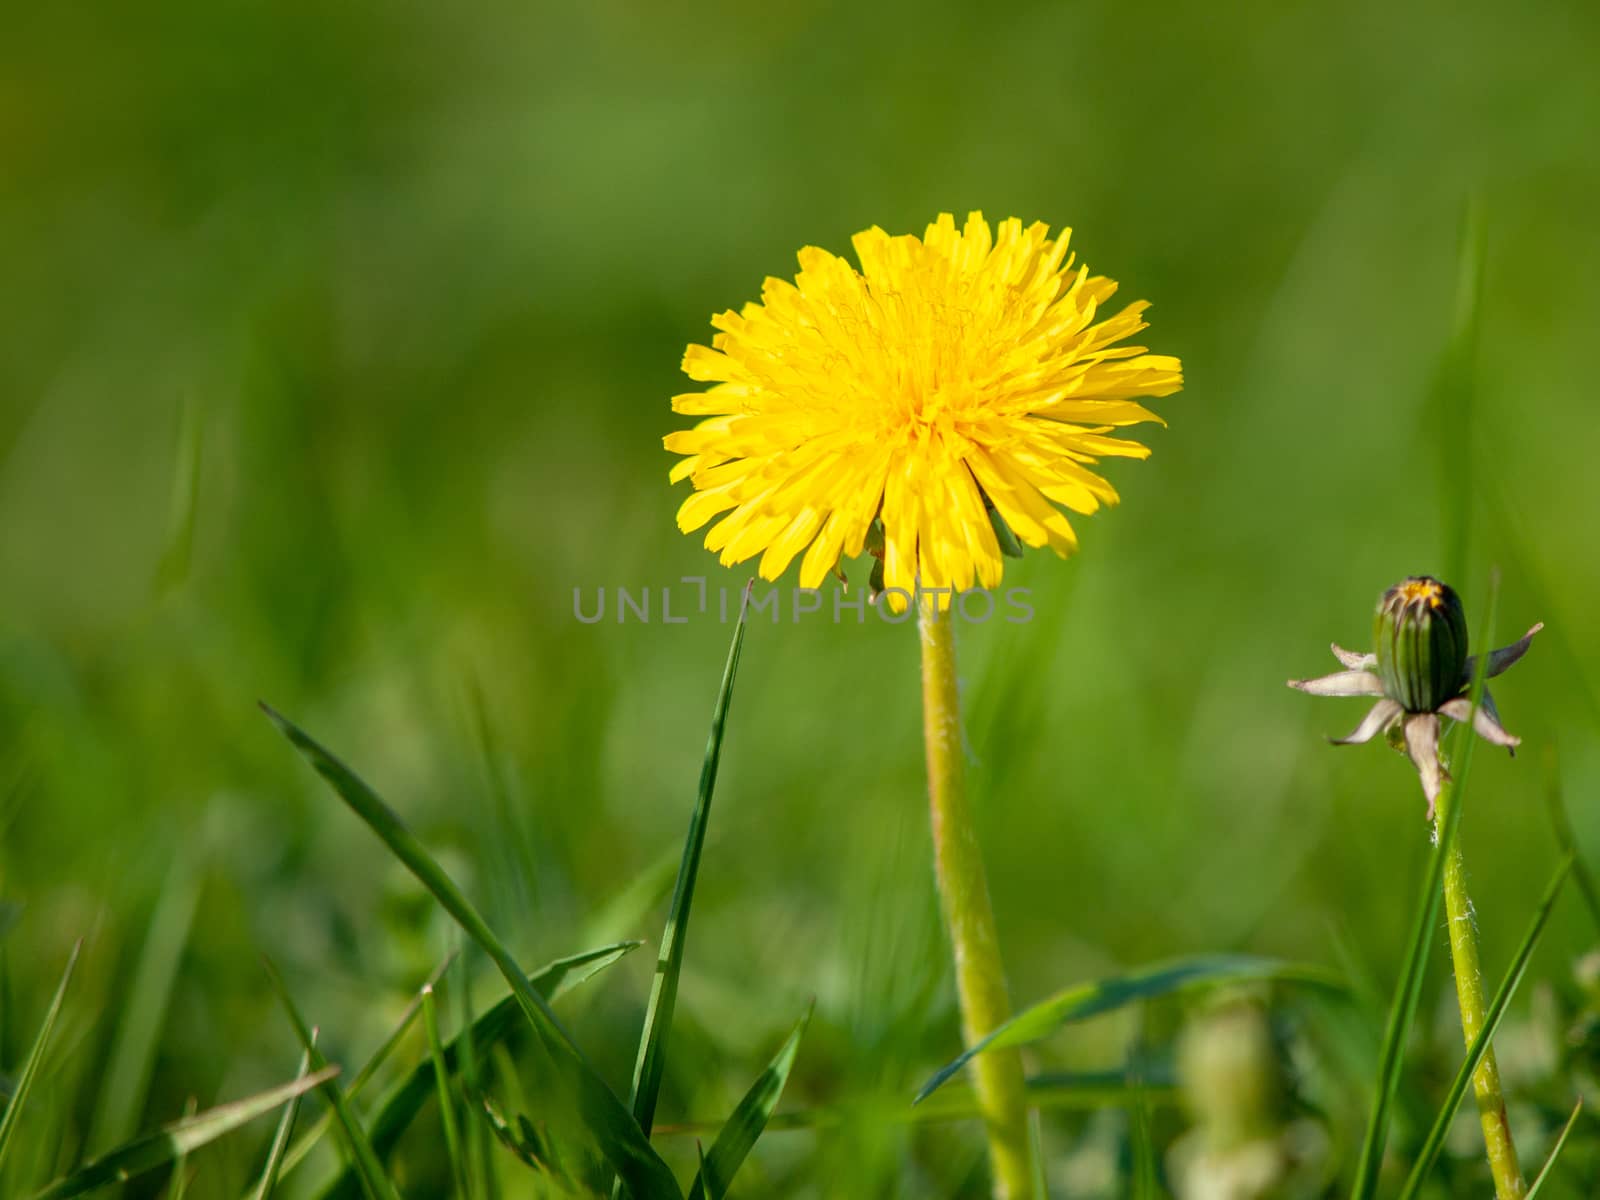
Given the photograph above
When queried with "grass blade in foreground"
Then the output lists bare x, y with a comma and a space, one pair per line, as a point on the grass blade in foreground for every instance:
30, 1067
1140, 1140
1090, 999
178, 1185
621, 1143
747, 1122
280, 1140
700, 1157
1041, 1183
373, 1179
181, 1137
144, 1011
1434, 1142
401, 1106
1403, 1009
447, 1100
312, 1136
1544, 1171
664, 990
482, 1173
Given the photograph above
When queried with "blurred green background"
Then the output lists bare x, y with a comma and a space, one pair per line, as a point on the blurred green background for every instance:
338, 343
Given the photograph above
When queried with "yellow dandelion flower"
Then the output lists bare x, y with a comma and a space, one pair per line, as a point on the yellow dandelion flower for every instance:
953, 374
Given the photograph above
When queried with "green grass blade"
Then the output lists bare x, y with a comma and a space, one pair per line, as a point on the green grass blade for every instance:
1041, 1182
1561, 1140
280, 1141
1091, 999
447, 1100
617, 1135
181, 1137
664, 989
30, 1065
482, 1174
700, 1170
402, 1104
303, 1144
180, 1165
749, 1119
133, 1054
1141, 1143
1434, 1142
376, 1183
1403, 1008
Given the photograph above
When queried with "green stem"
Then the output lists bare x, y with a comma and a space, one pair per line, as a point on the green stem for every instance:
1508, 1182
964, 895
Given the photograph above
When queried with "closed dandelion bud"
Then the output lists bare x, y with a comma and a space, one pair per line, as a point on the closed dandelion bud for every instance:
1421, 636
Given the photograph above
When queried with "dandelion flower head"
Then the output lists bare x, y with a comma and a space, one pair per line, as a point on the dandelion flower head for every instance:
956, 387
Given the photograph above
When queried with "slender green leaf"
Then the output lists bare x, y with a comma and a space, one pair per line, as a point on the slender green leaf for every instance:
664, 990
1434, 1142
1142, 1149
447, 1100
1403, 1008
484, 1178
181, 1137
126, 1083
178, 1185
1041, 1182
1141, 1143
581, 1091
1561, 1140
280, 1140
1085, 1000
303, 1144
376, 1183
700, 1171
401, 1106
30, 1065
748, 1121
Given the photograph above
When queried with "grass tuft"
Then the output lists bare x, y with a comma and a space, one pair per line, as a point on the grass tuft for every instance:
669, 964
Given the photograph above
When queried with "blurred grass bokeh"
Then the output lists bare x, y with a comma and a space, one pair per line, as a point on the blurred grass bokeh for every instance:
338, 342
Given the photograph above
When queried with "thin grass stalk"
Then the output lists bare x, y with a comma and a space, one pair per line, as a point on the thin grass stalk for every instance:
968, 915
447, 1100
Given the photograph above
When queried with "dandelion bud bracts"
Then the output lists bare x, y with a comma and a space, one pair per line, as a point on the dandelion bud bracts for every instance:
1421, 635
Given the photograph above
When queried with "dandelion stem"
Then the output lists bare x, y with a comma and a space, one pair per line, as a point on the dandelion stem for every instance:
964, 896
1508, 1181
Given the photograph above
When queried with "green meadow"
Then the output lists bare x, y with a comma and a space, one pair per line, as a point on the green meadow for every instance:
338, 345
